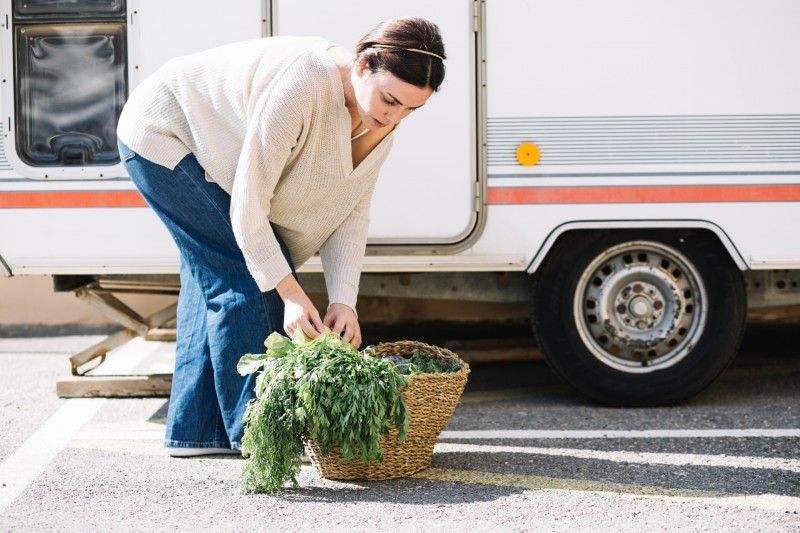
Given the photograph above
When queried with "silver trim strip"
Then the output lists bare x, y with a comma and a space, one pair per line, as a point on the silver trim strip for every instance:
731, 139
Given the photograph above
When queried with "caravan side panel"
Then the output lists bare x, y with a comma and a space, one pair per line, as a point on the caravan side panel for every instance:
74, 218
644, 112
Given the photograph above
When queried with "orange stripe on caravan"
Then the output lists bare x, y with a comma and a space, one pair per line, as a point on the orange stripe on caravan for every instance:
644, 194
30, 199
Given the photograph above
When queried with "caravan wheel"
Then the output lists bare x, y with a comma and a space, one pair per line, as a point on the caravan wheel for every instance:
637, 318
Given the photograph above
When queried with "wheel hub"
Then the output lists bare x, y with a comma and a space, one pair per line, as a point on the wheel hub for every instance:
639, 307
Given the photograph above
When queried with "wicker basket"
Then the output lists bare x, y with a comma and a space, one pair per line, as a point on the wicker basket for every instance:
430, 400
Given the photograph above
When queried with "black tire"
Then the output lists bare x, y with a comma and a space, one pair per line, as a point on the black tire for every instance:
639, 317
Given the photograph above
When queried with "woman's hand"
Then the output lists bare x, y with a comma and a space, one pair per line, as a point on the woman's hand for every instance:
299, 312
342, 320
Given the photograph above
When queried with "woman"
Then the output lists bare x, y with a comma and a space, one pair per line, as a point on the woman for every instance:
255, 156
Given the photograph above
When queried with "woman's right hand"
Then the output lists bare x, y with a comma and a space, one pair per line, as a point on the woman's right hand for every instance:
299, 311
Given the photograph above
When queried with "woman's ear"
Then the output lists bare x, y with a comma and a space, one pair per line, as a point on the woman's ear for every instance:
361, 66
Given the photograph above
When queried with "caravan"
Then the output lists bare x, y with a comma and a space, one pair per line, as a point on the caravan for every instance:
632, 167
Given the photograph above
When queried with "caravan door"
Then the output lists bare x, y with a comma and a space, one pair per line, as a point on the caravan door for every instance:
427, 191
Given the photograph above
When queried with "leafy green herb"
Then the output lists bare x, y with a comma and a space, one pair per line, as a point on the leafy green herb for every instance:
323, 389
422, 362
273, 437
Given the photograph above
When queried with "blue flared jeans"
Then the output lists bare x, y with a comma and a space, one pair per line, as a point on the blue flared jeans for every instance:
222, 314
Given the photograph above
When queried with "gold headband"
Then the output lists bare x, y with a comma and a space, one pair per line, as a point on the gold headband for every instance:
437, 56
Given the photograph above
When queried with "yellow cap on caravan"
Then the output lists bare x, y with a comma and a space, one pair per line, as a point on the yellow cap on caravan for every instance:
528, 154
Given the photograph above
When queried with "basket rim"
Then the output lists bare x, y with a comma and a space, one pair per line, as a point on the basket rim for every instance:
409, 346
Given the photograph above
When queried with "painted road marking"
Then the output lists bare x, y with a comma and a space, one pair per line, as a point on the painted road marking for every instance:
620, 434
30, 460
650, 458
532, 434
147, 442
23, 466
528, 482
773, 502
106, 439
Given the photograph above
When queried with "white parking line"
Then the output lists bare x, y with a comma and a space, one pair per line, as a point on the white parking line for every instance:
30, 460
620, 434
671, 459
674, 459
772, 502
527, 434
23, 466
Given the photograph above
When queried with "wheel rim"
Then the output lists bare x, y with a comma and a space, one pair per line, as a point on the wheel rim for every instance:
640, 307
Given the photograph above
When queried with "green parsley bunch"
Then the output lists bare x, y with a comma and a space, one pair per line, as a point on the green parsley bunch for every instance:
322, 389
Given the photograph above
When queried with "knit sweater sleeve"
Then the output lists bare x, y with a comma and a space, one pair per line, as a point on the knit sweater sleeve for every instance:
273, 131
343, 254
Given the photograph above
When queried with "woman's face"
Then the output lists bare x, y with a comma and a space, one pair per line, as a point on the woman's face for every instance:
383, 99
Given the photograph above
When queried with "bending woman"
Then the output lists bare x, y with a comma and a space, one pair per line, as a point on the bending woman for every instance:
256, 156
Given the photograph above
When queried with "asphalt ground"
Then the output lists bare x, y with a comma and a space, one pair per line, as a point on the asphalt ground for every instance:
522, 452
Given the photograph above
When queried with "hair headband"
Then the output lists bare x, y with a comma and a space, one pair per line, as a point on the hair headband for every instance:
417, 50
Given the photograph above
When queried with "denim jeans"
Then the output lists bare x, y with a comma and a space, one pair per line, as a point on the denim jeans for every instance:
222, 314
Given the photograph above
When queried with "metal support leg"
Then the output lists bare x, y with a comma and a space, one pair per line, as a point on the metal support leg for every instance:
99, 294
112, 307
119, 338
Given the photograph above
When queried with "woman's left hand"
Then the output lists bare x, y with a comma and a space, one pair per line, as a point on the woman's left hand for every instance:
343, 321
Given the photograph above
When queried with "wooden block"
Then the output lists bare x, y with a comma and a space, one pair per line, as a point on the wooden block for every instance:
145, 386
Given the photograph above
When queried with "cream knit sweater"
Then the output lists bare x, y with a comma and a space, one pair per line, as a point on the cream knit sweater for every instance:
266, 119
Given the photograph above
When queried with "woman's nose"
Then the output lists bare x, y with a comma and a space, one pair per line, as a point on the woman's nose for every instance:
394, 115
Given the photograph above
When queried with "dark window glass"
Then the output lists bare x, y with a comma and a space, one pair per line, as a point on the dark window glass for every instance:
70, 62
71, 89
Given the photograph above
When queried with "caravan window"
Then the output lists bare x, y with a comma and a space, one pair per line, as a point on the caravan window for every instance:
70, 59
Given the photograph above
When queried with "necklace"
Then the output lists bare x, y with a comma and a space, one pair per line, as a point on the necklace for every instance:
357, 135
355, 128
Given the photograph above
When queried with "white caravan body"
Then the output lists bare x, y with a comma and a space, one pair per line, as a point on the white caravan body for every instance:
653, 117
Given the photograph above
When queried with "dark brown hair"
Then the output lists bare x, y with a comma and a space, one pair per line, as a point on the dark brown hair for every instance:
398, 46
